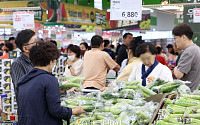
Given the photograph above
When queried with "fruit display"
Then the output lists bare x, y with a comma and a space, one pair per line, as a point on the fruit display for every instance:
110, 107
181, 109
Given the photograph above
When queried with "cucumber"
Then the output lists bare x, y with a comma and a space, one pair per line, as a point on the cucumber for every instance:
169, 88
131, 87
146, 90
86, 108
69, 85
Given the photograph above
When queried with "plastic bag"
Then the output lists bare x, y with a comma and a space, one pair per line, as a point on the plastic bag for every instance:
184, 89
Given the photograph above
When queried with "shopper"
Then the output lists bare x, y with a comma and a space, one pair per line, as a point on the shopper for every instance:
6, 48
107, 49
74, 65
84, 47
38, 96
172, 56
150, 69
179, 51
22, 65
188, 68
1, 51
122, 54
15, 48
169, 48
159, 57
96, 65
54, 42
133, 60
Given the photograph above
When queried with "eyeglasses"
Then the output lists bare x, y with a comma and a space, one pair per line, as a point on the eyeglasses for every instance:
31, 43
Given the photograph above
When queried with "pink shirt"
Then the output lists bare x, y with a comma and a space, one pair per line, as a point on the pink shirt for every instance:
96, 64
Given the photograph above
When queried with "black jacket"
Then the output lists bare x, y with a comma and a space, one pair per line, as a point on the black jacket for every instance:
38, 99
122, 54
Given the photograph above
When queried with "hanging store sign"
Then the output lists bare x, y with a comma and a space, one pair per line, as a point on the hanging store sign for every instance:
7, 9
75, 14
23, 20
196, 15
126, 10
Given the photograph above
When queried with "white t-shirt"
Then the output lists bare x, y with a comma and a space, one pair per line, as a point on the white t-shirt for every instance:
160, 71
17, 49
123, 65
78, 69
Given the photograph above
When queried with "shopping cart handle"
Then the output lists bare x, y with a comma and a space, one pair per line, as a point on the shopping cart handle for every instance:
3, 96
111, 78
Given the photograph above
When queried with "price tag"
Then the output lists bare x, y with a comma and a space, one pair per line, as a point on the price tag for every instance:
126, 10
130, 15
196, 15
23, 20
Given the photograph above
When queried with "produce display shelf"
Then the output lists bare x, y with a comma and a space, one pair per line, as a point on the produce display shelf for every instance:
162, 105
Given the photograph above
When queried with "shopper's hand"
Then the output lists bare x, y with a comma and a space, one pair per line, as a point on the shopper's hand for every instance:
60, 76
69, 62
78, 110
151, 79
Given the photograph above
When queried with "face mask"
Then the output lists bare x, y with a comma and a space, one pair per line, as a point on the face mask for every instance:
71, 57
82, 52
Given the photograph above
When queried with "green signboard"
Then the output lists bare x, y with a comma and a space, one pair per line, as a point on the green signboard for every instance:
188, 19
153, 21
178, 21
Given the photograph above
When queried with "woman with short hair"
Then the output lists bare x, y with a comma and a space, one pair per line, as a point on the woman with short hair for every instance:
38, 95
74, 65
150, 69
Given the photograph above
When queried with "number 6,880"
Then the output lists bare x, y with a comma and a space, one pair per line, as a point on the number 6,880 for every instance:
129, 14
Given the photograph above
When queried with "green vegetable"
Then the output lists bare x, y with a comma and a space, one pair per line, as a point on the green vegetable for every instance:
128, 101
167, 118
131, 87
146, 90
169, 88
190, 96
115, 111
196, 116
183, 103
68, 85
145, 95
157, 82
161, 122
86, 108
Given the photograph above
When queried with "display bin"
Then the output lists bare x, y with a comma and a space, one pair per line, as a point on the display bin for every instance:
161, 106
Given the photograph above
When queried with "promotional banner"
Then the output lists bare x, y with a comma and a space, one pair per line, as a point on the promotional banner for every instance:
7, 9
126, 10
23, 20
75, 14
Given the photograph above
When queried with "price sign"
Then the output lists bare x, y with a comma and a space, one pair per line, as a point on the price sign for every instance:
196, 15
126, 10
23, 20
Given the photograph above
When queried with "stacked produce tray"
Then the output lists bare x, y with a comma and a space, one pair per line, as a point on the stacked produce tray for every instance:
178, 110
8, 101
